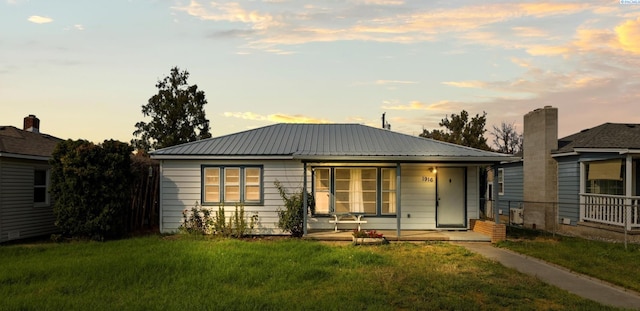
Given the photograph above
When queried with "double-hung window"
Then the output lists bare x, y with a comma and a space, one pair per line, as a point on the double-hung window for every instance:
40, 187
359, 190
500, 181
232, 184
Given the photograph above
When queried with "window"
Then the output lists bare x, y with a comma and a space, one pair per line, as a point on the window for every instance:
501, 181
252, 182
363, 190
356, 190
322, 189
605, 177
232, 184
40, 185
388, 191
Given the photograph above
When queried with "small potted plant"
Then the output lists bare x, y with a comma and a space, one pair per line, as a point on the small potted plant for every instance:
368, 237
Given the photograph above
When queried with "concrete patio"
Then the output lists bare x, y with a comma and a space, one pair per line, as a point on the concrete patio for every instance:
405, 235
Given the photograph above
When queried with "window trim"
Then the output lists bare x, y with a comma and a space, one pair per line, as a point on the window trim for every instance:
332, 188
46, 186
500, 181
222, 187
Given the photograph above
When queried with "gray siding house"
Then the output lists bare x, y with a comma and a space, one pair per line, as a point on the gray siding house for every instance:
391, 180
589, 179
25, 204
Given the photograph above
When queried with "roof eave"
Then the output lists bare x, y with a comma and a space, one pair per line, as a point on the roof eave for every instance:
320, 158
23, 156
221, 157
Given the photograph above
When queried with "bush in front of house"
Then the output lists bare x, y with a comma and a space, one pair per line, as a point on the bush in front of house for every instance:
291, 218
91, 187
201, 221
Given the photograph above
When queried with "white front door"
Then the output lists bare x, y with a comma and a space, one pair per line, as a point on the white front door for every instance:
451, 198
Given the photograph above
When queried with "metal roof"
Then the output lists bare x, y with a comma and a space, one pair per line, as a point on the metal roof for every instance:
604, 136
326, 142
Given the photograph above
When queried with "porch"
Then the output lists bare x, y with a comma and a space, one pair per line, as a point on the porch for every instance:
614, 210
405, 235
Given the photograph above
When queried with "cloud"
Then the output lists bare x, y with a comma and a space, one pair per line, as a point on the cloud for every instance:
465, 84
294, 23
381, 2
39, 19
277, 117
628, 34
414, 105
230, 12
520, 62
529, 32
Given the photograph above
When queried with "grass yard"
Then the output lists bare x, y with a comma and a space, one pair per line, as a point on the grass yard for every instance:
181, 273
606, 261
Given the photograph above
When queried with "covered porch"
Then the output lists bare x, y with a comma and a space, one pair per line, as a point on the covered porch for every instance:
609, 191
405, 236
614, 210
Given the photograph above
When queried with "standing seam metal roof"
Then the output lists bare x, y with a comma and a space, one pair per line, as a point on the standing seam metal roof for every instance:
322, 140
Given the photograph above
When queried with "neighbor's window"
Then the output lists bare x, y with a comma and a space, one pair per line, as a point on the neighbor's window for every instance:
605, 177
500, 181
362, 190
232, 184
40, 191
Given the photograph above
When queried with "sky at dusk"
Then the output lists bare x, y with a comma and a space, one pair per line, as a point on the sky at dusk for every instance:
85, 68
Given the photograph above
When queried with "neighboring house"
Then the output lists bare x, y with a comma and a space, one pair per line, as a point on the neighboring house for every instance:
588, 179
25, 203
396, 181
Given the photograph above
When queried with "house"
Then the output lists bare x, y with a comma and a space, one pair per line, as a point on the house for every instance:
25, 203
586, 180
393, 181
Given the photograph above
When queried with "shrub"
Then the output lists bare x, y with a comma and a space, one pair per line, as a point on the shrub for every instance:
291, 218
198, 221
91, 187
201, 221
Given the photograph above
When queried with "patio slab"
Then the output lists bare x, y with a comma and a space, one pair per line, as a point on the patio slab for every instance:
405, 235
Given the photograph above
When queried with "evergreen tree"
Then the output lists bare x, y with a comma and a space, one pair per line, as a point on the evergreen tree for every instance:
177, 114
461, 130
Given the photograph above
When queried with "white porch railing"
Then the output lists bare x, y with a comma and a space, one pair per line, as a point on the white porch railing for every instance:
614, 210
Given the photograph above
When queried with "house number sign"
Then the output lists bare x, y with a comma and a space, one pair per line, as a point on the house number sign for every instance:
428, 179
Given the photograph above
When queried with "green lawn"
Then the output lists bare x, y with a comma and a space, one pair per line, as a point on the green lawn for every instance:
179, 273
606, 261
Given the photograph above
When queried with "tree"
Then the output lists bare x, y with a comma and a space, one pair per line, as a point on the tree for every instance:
506, 138
462, 131
91, 184
177, 113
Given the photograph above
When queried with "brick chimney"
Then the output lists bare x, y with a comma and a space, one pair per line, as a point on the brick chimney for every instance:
540, 169
32, 124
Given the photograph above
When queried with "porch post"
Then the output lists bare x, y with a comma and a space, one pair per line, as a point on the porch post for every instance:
304, 198
628, 179
583, 189
496, 197
398, 205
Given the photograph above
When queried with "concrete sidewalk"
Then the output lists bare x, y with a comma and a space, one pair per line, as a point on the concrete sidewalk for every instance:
580, 285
